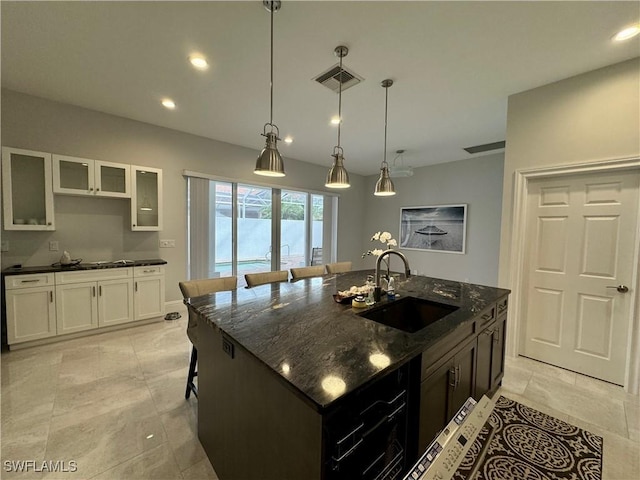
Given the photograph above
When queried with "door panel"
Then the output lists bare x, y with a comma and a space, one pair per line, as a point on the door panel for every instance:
581, 232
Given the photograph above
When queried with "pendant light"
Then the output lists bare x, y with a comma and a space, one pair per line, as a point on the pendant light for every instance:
270, 162
384, 185
338, 177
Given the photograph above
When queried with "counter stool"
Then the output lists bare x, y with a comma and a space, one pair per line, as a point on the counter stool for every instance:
338, 267
306, 272
255, 279
197, 288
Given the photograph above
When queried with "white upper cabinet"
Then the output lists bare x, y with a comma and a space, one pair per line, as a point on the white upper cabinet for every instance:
146, 199
82, 176
27, 190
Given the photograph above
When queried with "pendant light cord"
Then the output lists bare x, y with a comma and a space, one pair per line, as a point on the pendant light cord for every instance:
340, 101
386, 103
271, 82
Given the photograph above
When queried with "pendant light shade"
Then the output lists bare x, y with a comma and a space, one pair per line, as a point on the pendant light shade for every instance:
384, 185
338, 177
270, 162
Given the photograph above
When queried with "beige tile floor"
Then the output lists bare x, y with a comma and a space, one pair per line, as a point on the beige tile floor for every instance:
114, 404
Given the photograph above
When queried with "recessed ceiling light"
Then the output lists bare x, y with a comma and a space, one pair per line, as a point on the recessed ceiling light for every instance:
198, 61
288, 139
335, 120
168, 103
627, 33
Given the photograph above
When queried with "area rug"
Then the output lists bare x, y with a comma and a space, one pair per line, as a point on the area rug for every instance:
520, 443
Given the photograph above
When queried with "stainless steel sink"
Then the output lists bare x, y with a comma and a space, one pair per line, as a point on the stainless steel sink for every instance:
409, 314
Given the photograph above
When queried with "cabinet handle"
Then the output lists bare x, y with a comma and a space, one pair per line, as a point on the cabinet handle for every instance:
94, 291
30, 281
100, 290
452, 379
97, 189
136, 284
133, 225
149, 271
91, 189
458, 372
51, 297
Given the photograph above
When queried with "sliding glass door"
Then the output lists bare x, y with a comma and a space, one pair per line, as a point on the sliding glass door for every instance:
237, 228
254, 207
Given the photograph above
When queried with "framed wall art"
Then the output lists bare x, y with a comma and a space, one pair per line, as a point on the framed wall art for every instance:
438, 228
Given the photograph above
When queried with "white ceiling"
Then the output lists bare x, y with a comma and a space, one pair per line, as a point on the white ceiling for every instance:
454, 65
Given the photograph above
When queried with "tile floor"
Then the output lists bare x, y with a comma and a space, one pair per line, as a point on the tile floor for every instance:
114, 404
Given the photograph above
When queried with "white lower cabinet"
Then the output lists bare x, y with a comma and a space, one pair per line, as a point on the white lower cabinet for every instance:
77, 307
49, 304
94, 298
87, 305
31, 307
115, 302
149, 291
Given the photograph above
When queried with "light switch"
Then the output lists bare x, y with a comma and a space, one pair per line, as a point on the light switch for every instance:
53, 246
167, 243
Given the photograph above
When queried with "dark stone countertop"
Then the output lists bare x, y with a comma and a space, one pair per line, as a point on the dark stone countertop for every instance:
82, 266
323, 349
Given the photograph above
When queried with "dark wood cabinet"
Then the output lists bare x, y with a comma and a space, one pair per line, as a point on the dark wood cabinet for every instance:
472, 370
491, 351
445, 390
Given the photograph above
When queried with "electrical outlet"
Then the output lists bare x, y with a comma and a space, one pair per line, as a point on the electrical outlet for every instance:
227, 347
53, 246
4, 246
167, 243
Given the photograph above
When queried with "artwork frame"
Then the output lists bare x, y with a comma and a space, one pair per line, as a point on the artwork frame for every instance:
418, 229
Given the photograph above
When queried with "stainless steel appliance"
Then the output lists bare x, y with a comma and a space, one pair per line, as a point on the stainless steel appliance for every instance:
443, 456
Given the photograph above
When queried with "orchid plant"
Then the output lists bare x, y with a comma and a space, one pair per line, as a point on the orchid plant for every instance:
384, 238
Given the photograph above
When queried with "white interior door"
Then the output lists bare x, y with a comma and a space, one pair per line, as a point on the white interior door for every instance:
581, 242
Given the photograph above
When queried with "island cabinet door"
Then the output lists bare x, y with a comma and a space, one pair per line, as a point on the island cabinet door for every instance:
250, 424
498, 351
484, 377
445, 390
434, 405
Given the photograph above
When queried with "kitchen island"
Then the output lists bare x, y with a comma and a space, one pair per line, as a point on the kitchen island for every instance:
285, 372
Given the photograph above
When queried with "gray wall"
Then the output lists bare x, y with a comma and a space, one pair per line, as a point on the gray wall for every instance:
476, 182
97, 229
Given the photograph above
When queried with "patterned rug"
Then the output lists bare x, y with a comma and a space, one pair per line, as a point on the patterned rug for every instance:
524, 444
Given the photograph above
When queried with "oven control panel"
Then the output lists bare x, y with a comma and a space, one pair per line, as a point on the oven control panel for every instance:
445, 453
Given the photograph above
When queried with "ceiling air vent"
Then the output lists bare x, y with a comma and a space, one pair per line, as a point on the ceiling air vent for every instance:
487, 147
332, 78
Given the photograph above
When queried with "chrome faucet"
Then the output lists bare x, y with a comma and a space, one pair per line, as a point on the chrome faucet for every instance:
386, 253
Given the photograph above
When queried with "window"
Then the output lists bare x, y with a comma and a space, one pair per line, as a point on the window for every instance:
233, 228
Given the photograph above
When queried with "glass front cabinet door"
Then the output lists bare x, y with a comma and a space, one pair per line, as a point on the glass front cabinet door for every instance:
27, 190
82, 176
146, 199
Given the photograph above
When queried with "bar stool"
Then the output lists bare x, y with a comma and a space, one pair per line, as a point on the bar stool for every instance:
306, 272
338, 267
255, 279
197, 288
